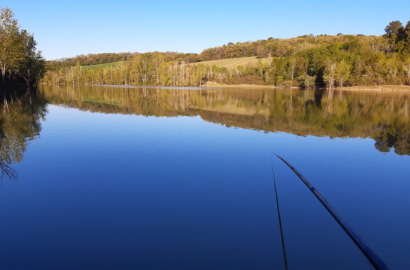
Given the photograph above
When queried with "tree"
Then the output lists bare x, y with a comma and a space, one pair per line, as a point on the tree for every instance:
394, 29
77, 72
406, 67
392, 65
292, 67
11, 51
307, 81
342, 72
407, 36
32, 67
329, 73
157, 63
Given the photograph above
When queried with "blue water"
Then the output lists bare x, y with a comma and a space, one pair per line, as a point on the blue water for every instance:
127, 191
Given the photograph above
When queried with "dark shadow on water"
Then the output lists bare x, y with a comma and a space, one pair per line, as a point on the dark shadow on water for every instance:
280, 221
20, 116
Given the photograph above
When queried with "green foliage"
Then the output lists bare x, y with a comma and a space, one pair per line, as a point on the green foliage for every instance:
306, 61
93, 61
19, 57
101, 66
32, 66
307, 81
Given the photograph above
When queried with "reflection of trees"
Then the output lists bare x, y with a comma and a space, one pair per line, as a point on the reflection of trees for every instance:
382, 116
19, 123
8, 171
393, 136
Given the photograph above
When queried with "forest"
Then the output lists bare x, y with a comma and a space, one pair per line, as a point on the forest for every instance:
306, 61
19, 58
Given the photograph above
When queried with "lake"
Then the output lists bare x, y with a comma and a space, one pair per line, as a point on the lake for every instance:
104, 177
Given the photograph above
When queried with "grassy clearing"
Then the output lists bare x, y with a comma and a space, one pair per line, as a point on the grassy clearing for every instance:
94, 67
232, 63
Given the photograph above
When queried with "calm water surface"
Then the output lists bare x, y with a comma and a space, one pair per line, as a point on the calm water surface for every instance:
147, 178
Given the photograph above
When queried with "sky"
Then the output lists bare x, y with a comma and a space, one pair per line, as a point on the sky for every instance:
70, 28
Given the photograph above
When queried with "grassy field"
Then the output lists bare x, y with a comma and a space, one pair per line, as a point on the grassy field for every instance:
232, 63
94, 67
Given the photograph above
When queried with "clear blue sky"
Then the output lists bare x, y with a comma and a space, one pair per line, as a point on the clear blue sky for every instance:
69, 28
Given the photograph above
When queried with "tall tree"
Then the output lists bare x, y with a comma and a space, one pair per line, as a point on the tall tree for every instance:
32, 67
342, 72
11, 49
394, 29
329, 73
407, 36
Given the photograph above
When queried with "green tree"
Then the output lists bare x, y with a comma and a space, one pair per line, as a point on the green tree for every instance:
406, 67
32, 67
292, 67
307, 81
11, 51
329, 74
394, 30
407, 36
342, 72
77, 73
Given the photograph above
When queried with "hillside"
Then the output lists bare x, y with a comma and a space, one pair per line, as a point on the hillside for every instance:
101, 66
232, 63
305, 61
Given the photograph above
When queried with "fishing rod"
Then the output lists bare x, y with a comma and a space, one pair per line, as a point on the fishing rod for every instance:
280, 221
374, 259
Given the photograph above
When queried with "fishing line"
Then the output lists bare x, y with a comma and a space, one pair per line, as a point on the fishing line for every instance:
280, 220
373, 258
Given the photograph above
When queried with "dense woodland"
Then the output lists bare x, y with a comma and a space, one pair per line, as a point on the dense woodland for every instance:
19, 58
305, 61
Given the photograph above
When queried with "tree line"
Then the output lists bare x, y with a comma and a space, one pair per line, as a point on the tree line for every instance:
142, 69
19, 58
102, 58
325, 60
307, 61
396, 40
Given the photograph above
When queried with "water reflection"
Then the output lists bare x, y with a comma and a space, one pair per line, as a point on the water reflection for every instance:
383, 117
20, 118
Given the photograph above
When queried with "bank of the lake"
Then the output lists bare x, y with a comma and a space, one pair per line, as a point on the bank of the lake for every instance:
377, 88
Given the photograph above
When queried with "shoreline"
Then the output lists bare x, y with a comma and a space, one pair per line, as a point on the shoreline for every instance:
377, 88
213, 84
